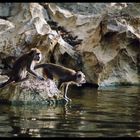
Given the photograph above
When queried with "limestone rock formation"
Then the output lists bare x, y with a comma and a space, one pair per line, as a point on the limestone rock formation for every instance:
101, 39
20, 31
110, 49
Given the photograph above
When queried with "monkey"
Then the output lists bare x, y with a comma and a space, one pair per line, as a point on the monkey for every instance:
24, 65
65, 76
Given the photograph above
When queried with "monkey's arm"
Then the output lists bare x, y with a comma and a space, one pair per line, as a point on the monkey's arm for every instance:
31, 71
60, 84
39, 66
66, 85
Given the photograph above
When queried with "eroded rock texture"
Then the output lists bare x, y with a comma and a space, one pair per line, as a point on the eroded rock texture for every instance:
101, 39
20, 32
110, 48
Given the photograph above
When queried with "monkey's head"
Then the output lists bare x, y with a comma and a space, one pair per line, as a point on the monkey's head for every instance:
36, 54
80, 78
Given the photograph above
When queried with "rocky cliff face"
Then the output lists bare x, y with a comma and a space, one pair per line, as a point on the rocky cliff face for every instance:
110, 48
102, 40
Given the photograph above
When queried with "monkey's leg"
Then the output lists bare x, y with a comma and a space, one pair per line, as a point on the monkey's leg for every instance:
48, 75
6, 83
65, 92
60, 84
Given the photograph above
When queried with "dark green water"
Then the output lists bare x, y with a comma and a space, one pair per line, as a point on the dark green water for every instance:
111, 112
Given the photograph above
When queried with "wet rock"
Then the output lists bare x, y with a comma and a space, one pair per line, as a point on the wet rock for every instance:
31, 91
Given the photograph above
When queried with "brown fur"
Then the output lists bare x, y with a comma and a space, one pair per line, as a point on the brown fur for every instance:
65, 76
22, 65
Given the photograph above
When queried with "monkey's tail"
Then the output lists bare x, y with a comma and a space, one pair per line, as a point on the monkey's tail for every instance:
39, 66
6, 83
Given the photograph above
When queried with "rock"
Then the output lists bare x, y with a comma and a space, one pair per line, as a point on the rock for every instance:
108, 53
8, 9
31, 91
21, 32
110, 34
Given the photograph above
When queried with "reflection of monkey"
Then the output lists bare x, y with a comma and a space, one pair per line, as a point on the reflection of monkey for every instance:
23, 65
64, 75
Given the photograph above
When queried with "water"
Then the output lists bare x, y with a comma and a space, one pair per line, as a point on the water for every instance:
110, 112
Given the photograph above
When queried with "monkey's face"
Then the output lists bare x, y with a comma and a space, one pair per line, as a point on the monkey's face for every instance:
80, 78
37, 57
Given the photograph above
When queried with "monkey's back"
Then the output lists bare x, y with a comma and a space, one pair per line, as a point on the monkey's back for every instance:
19, 67
19, 62
56, 70
59, 70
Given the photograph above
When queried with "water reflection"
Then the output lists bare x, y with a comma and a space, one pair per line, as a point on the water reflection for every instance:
92, 113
